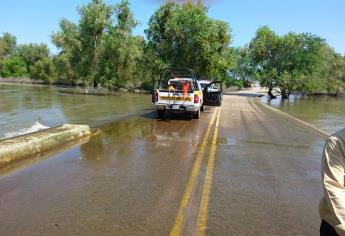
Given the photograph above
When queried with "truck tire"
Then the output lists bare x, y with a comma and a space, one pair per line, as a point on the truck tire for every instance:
197, 114
219, 100
161, 114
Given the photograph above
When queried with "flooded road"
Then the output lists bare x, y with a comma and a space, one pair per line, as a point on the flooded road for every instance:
143, 176
25, 108
326, 113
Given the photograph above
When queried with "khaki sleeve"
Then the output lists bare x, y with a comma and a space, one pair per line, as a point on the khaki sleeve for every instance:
333, 181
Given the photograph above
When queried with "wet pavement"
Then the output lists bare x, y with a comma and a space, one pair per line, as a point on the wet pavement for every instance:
325, 112
133, 178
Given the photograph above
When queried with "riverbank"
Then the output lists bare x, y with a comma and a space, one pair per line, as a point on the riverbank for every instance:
23, 80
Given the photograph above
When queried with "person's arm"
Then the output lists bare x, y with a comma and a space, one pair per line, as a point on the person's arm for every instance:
333, 181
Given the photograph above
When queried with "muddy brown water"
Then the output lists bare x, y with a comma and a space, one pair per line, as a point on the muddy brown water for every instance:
24, 108
130, 179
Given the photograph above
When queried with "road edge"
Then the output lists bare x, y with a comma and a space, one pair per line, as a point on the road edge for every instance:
28, 145
322, 133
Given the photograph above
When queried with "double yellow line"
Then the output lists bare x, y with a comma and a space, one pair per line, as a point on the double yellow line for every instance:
203, 211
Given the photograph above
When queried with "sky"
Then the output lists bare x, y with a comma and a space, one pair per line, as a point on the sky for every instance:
33, 21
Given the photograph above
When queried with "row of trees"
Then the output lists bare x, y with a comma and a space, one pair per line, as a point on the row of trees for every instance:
101, 50
294, 62
23, 60
290, 63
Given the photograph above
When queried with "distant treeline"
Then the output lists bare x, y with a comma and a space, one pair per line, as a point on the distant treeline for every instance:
101, 50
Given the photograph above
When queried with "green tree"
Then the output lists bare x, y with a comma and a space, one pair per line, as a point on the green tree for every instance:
8, 44
95, 19
291, 62
25, 59
100, 50
44, 69
67, 40
64, 71
263, 51
182, 35
14, 67
121, 51
32, 53
149, 66
334, 71
243, 68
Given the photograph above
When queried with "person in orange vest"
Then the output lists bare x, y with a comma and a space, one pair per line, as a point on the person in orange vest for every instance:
185, 88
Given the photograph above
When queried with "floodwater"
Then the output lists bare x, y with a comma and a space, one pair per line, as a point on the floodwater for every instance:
132, 178
138, 174
326, 113
29, 108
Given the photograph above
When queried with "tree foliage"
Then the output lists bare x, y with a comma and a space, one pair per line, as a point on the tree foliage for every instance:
182, 35
291, 62
44, 69
8, 44
32, 53
24, 59
334, 71
243, 68
100, 49
13, 67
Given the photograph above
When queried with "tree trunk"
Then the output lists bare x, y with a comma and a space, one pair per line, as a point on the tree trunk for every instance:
285, 94
270, 88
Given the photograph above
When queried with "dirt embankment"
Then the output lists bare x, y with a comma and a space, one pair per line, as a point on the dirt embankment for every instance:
23, 80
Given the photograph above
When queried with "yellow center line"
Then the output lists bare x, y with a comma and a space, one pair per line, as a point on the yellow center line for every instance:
203, 211
177, 228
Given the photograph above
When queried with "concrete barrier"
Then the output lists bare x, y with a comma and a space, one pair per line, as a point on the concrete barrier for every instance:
28, 145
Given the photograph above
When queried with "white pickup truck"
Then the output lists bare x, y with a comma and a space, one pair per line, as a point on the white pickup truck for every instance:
178, 90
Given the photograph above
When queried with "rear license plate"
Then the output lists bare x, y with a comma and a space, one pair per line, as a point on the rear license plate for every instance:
175, 107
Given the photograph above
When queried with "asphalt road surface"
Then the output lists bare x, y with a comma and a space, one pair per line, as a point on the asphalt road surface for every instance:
239, 170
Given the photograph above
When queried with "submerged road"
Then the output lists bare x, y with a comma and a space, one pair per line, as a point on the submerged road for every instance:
239, 170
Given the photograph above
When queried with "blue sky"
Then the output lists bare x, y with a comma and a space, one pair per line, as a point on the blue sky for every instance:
35, 20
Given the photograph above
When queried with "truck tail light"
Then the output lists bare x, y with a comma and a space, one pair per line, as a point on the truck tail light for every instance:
196, 98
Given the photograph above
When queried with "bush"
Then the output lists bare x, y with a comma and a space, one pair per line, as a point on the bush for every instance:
44, 69
234, 82
247, 84
13, 67
146, 85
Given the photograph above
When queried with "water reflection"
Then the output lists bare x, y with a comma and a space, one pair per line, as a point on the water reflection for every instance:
139, 136
115, 139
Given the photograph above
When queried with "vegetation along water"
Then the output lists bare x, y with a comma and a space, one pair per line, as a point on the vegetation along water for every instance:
101, 50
